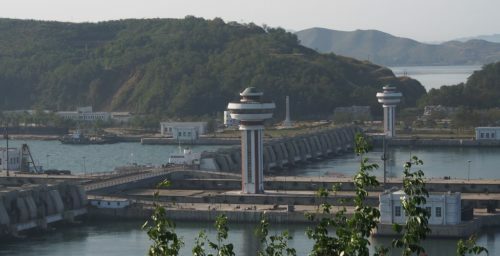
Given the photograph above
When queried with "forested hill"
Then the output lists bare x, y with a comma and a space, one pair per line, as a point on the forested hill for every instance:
177, 67
481, 91
386, 49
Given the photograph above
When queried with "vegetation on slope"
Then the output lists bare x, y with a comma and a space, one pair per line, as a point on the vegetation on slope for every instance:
178, 67
481, 91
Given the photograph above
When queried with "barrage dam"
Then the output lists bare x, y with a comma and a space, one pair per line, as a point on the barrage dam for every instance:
31, 201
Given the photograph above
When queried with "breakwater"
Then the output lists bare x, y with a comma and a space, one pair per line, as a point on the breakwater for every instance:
434, 142
282, 152
28, 206
200, 141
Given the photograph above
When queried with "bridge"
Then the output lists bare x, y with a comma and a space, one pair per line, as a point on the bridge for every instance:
110, 183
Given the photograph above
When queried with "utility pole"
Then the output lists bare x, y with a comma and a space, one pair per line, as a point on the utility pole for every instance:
6, 136
384, 158
468, 170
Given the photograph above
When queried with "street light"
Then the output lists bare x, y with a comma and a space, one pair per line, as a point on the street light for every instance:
84, 169
47, 161
384, 158
468, 170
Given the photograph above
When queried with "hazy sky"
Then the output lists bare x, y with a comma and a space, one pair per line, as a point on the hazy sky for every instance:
424, 20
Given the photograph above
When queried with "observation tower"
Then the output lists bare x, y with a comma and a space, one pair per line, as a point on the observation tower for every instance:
251, 111
389, 99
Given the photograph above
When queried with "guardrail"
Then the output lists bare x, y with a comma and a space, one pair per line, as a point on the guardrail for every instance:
128, 179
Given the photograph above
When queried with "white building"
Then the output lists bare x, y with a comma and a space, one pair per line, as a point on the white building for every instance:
185, 133
110, 203
84, 114
121, 117
487, 133
168, 128
15, 159
228, 121
444, 208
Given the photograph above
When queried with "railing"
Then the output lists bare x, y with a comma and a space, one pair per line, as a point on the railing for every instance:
120, 180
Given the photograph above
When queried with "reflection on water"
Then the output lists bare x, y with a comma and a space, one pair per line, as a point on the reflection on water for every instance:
99, 158
438, 162
127, 239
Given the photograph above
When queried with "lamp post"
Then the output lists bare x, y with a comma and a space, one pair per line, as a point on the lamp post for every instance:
47, 161
84, 169
468, 169
6, 135
384, 158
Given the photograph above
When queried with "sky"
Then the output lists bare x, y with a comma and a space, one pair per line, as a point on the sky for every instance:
422, 20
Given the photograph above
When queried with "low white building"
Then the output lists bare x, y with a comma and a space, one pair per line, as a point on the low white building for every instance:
444, 208
84, 114
185, 133
15, 159
228, 121
487, 133
109, 203
169, 128
121, 117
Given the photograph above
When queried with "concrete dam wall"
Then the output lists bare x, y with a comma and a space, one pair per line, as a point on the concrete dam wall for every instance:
36, 205
279, 153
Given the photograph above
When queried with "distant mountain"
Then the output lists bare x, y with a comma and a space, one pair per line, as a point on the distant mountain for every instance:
385, 49
494, 38
178, 68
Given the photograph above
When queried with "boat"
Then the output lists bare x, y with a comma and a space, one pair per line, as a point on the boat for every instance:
78, 138
186, 157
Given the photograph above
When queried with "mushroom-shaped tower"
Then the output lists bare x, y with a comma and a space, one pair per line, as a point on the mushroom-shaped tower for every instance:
251, 111
389, 99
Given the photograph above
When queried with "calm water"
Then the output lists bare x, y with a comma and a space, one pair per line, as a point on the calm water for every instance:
436, 76
127, 239
98, 158
438, 162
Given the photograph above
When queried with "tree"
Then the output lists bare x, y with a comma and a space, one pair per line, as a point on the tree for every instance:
161, 230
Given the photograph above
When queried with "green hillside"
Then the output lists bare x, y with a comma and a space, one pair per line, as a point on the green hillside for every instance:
386, 49
482, 90
177, 67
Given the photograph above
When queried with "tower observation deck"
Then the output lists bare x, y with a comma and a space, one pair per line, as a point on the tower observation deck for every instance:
389, 99
251, 111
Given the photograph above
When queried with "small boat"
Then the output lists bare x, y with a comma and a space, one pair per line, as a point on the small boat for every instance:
186, 157
78, 138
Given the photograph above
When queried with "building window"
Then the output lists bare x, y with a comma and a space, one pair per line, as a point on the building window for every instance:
438, 212
493, 135
397, 211
429, 211
180, 134
487, 135
482, 135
